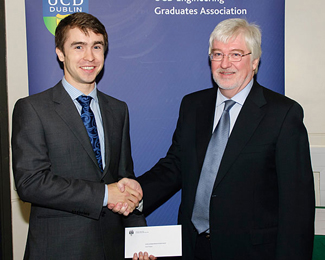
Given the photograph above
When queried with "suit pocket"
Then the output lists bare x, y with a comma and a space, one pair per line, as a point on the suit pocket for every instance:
263, 236
55, 214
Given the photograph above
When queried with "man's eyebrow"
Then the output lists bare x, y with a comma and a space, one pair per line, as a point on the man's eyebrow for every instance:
84, 43
233, 50
99, 42
237, 50
78, 43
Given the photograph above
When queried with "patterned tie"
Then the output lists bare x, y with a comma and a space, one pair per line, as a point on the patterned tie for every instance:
88, 119
216, 147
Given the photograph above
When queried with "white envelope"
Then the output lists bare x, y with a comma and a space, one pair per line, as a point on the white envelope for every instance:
156, 240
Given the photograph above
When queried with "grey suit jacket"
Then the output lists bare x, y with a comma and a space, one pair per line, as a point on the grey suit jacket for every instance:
55, 169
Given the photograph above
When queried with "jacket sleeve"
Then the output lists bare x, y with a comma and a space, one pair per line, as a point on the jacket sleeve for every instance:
164, 179
296, 189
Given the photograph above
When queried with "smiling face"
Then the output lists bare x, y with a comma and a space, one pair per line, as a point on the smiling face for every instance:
232, 77
83, 58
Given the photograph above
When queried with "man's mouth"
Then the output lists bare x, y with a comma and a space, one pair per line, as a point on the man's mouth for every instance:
88, 68
226, 72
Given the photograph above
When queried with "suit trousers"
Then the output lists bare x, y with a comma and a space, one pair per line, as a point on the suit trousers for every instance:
203, 247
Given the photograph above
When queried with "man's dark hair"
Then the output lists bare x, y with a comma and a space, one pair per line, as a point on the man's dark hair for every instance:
85, 22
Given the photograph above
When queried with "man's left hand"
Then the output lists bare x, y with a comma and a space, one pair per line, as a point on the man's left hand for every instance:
143, 256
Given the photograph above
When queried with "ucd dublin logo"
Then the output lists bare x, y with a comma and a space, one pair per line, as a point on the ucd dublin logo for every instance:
55, 10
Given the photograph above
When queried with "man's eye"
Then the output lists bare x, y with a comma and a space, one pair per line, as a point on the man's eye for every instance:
217, 54
235, 54
78, 47
97, 47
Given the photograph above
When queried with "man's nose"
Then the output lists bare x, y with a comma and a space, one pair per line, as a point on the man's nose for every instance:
225, 63
89, 55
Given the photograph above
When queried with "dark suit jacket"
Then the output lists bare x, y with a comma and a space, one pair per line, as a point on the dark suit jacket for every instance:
262, 204
56, 170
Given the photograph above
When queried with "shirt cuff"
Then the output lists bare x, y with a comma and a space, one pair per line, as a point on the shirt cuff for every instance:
105, 197
140, 207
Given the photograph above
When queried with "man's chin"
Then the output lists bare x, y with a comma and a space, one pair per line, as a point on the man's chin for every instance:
226, 87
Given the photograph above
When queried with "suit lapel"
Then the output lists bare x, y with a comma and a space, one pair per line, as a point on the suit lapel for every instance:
204, 124
107, 117
66, 109
248, 120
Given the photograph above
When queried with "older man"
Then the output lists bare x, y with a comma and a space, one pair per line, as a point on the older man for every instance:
249, 196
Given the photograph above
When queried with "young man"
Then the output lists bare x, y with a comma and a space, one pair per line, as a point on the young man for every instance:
70, 146
254, 198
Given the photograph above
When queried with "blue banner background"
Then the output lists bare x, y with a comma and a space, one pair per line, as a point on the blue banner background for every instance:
153, 61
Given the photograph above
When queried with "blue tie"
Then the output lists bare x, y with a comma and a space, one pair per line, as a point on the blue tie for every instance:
216, 147
88, 119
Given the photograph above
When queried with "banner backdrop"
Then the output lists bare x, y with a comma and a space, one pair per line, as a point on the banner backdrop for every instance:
158, 52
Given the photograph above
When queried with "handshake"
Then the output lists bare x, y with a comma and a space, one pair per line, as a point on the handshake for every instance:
124, 196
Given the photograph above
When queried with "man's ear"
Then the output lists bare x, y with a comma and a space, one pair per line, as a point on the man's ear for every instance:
255, 63
60, 54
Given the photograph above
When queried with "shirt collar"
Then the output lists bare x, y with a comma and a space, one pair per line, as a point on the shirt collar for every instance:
74, 93
239, 98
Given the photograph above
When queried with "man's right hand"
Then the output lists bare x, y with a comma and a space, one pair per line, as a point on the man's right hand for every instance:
123, 202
